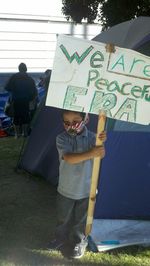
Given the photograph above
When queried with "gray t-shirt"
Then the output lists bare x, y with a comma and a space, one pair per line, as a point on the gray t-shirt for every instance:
75, 179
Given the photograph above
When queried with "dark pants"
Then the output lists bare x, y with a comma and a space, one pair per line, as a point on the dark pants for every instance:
21, 112
71, 215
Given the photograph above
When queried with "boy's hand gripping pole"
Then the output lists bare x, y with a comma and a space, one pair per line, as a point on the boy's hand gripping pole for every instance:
95, 175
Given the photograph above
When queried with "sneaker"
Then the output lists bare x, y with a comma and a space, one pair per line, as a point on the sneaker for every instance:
78, 251
55, 244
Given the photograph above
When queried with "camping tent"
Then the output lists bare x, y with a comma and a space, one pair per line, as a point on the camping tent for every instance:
129, 163
125, 177
125, 172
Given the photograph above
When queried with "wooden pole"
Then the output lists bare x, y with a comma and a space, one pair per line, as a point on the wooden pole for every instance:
110, 48
95, 175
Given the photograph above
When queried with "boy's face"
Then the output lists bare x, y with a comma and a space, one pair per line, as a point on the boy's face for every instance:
73, 122
71, 118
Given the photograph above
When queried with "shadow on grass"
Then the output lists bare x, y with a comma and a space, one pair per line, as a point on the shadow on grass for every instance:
27, 257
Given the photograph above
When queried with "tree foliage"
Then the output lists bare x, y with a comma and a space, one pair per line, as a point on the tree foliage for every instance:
80, 9
108, 12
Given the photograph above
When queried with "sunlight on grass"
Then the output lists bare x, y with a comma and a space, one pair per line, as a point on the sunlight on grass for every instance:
104, 258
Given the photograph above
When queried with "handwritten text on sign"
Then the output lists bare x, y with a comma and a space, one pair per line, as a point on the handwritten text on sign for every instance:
87, 78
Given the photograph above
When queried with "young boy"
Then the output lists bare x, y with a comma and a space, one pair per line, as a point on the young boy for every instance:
76, 148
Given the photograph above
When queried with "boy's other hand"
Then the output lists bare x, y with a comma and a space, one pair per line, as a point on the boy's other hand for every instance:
102, 136
98, 151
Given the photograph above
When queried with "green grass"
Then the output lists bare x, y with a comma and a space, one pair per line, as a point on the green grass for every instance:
27, 220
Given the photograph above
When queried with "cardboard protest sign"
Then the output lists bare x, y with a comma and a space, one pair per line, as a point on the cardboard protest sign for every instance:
87, 78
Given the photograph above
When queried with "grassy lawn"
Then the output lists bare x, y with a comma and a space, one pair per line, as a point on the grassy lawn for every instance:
27, 220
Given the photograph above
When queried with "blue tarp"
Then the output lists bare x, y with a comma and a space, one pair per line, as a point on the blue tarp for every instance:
5, 120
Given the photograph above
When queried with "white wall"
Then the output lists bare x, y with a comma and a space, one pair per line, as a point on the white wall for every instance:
33, 41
